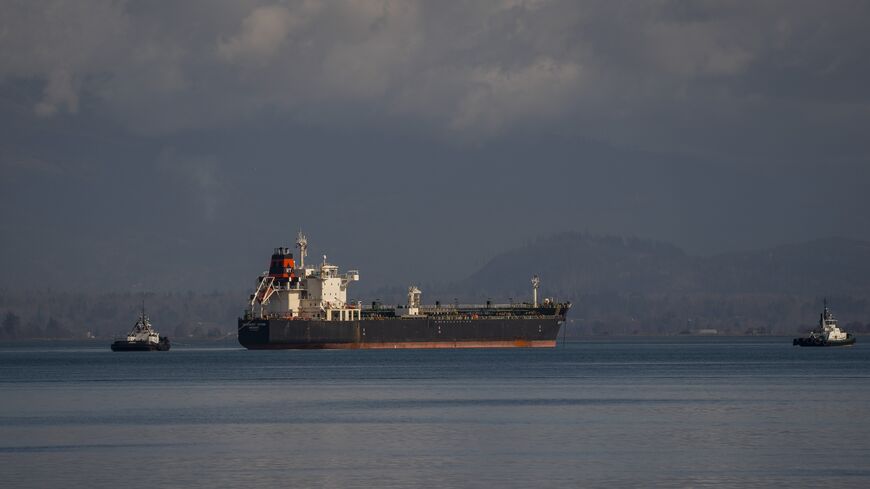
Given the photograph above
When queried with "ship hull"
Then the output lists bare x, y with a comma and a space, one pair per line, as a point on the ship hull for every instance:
398, 333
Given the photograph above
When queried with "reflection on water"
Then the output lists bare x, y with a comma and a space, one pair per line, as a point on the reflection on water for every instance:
668, 412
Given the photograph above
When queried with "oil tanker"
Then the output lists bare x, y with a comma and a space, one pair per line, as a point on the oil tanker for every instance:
298, 307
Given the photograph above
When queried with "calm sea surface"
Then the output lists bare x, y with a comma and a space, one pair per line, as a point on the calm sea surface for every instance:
639, 412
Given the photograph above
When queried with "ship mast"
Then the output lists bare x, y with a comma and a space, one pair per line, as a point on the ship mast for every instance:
535, 283
302, 244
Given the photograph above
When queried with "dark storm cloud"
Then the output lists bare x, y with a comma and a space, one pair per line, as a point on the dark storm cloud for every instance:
625, 71
712, 124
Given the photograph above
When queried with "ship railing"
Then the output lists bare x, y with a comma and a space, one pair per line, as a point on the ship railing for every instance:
449, 306
465, 311
470, 311
463, 307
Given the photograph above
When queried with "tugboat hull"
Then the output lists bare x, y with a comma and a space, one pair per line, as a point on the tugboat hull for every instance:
850, 340
163, 345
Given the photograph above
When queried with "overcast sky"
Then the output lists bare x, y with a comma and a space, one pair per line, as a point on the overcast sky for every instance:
150, 145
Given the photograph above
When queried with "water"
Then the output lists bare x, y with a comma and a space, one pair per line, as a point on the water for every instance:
649, 412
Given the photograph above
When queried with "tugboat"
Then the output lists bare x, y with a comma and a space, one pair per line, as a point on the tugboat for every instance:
828, 334
142, 337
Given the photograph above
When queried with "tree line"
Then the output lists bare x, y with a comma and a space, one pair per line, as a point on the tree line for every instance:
66, 315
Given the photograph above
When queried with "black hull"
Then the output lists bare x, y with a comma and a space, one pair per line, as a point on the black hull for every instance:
819, 342
123, 345
395, 333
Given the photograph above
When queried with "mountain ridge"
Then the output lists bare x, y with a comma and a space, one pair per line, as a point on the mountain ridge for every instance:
637, 285
582, 262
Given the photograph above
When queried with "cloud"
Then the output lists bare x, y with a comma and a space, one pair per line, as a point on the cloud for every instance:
696, 49
376, 49
615, 70
58, 44
60, 92
501, 97
262, 33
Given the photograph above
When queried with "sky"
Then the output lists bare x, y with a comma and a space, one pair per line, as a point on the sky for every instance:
172, 145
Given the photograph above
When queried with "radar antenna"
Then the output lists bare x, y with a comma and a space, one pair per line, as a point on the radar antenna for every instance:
302, 244
535, 283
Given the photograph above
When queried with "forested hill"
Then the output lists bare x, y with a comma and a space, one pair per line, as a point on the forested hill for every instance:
572, 264
831, 266
632, 285
66, 315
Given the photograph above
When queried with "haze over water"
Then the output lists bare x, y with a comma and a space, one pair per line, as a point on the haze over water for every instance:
668, 412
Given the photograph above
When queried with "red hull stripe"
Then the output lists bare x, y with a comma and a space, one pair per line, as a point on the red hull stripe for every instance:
408, 345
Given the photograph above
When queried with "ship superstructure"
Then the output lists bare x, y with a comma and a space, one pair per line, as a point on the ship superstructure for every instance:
288, 292
307, 307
